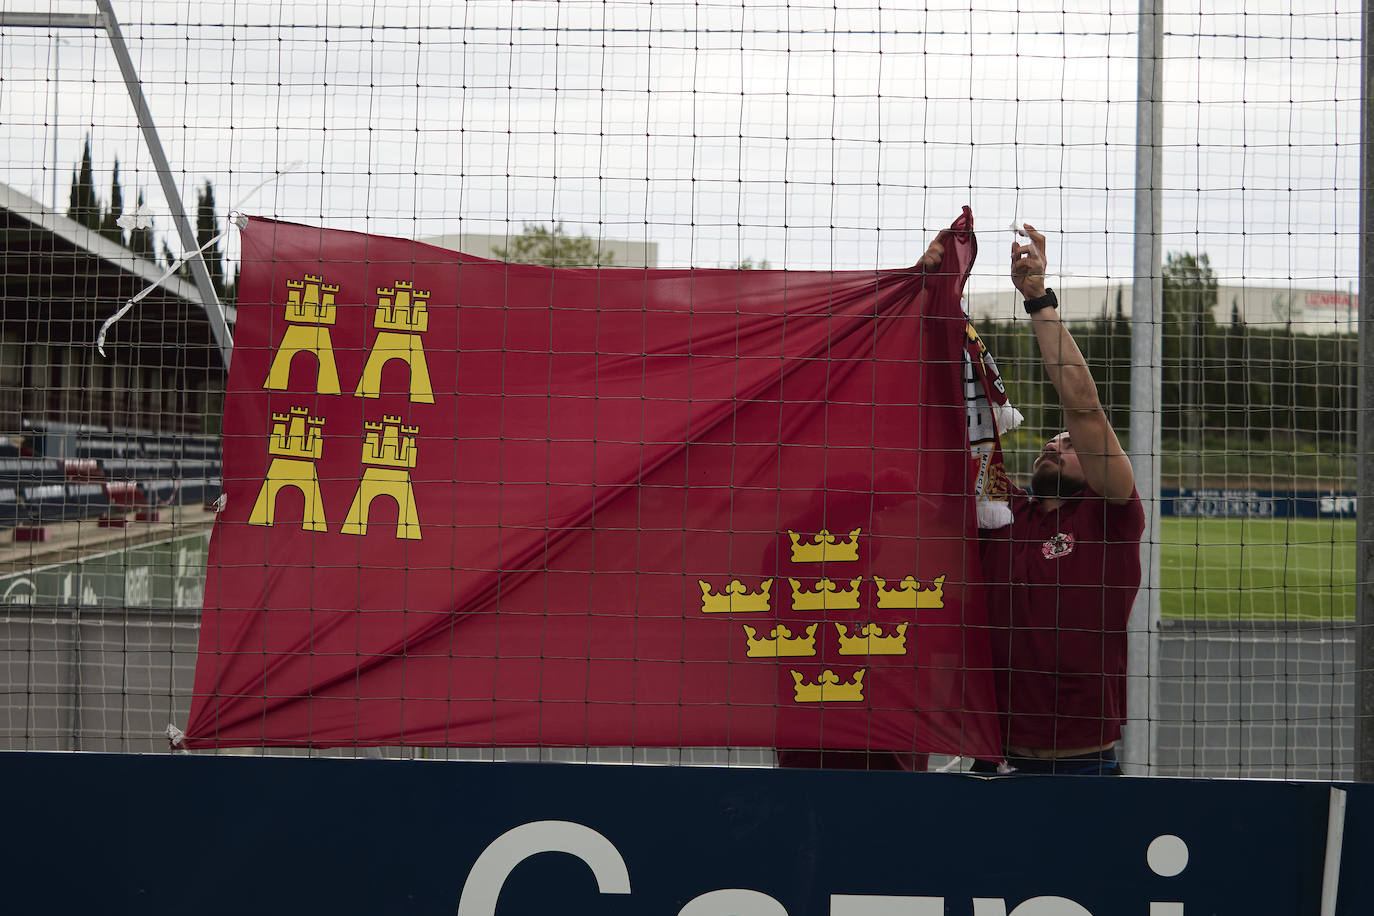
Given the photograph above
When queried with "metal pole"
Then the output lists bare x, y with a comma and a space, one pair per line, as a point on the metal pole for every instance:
1140, 739
214, 310
56, 104
1364, 524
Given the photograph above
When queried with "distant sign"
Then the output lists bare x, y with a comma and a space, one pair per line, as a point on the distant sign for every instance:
1214, 503
1328, 300
167, 573
294, 835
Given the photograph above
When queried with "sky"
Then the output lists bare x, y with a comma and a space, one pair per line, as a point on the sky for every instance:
811, 135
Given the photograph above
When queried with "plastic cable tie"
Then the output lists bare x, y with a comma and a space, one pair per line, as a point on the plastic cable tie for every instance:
137, 218
141, 220
104, 328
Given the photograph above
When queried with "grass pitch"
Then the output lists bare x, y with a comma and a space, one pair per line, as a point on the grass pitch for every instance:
1257, 569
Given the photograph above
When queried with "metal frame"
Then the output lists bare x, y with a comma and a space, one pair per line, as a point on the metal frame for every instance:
1140, 738
1364, 436
105, 20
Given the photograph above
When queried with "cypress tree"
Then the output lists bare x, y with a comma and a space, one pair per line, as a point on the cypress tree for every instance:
84, 206
207, 227
109, 223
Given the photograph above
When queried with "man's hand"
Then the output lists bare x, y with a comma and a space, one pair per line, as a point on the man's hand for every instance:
935, 254
1028, 264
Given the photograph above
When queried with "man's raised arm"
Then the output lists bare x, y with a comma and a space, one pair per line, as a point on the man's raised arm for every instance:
1105, 465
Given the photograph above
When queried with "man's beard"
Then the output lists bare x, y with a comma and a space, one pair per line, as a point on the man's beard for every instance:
1048, 481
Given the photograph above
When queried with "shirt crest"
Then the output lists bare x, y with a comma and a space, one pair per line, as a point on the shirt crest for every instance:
1061, 545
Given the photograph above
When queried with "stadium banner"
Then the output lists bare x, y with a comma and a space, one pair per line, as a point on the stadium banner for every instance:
292, 835
475, 503
1255, 503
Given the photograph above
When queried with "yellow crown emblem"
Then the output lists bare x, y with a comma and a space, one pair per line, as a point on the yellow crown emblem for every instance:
828, 688
296, 435
910, 595
402, 308
310, 301
389, 443
826, 596
824, 548
869, 640
780, 643
735, 598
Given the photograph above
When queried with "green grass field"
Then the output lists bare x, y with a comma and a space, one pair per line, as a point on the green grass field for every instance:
1257, 569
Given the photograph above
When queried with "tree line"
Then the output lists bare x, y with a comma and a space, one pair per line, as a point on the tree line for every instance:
1265, 384
85, 207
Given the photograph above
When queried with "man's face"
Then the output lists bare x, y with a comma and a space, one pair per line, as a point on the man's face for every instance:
1057, 472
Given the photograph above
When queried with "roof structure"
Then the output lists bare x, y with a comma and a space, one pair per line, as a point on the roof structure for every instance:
55, 270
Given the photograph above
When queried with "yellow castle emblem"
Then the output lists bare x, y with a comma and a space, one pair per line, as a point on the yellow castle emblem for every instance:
735, 598
295, 444
401, 318
825, 547
310, 312
389, 452
828, 688
779, 643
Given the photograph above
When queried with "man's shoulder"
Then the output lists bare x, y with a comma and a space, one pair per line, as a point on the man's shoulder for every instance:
1126, 519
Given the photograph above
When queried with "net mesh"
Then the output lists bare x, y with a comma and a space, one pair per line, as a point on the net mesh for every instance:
790, 135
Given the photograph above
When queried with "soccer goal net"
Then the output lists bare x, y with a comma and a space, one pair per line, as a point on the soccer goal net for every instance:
565, 381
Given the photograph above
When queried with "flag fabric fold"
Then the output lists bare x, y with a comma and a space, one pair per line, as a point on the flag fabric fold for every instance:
479, 504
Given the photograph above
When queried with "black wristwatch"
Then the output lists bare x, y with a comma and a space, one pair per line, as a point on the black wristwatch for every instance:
1047, 301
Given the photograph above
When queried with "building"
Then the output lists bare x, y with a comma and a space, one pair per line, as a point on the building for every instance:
59, 281
624, 252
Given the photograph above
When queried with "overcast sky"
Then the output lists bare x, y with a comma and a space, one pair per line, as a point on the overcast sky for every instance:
801, 133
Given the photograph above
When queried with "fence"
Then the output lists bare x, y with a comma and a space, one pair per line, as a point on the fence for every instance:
796, 136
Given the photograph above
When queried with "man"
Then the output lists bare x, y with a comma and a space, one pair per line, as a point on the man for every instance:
1061, 579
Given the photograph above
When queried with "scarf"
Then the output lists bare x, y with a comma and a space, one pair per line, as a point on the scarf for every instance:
989, 415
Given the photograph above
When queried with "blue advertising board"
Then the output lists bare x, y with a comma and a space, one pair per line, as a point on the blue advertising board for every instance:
1242, 503
146, 834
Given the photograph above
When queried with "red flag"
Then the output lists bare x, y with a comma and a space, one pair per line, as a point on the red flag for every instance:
475, 503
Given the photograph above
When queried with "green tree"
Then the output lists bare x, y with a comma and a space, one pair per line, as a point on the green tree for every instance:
207, 227
1106, 345
554, 247
83, 205
748, 264
1190, 338
109, 222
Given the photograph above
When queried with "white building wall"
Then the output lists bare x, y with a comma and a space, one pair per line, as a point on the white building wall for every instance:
626, 253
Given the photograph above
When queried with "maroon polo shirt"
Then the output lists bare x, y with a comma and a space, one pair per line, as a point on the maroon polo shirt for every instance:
1060, 586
